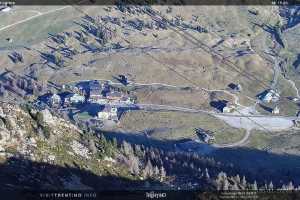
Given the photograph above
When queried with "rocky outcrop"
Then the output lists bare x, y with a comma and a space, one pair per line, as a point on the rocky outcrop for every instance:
21, 129
46, 117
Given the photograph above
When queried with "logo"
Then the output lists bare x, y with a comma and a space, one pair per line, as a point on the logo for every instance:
155, 195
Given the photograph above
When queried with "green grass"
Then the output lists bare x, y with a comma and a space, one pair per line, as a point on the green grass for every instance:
178, 125
38, 29
285, 87
259, 139
229, 135
276, 140
83, 116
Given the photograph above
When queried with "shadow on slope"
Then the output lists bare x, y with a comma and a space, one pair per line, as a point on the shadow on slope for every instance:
258, 165
140, 138
262, 165
18, 174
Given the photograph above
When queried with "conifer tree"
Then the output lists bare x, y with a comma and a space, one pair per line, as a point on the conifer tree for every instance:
271, 186
254, 186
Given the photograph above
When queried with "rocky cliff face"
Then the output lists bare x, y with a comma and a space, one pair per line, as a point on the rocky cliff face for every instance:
31, 140
41, 150
16, 131
22, 129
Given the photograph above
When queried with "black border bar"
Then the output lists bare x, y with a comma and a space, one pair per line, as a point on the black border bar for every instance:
152, 2
151, 195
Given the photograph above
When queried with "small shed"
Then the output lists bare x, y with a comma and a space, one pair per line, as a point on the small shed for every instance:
5, 9
228, 109
235, 87
206, 136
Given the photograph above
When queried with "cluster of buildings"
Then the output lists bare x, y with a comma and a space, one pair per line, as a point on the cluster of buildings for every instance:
64, 99
94, 92
91, 92
104, 94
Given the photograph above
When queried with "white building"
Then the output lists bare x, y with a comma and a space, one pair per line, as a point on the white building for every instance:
5, 9
271, 95
239, 88
268, 97
228, 109
76, 98
208, 138
55, 99
103, 115
129, 101
275, 110
275, 97
108, 113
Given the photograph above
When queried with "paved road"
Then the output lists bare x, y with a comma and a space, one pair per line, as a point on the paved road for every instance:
276, 72
158, 107
294, 86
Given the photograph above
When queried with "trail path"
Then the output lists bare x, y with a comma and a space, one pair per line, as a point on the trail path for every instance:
33, 17
235, 144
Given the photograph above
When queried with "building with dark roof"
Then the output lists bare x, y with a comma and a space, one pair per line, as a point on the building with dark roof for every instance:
95, 90
114, 95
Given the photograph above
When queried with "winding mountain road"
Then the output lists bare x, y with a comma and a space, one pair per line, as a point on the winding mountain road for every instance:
235, 144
